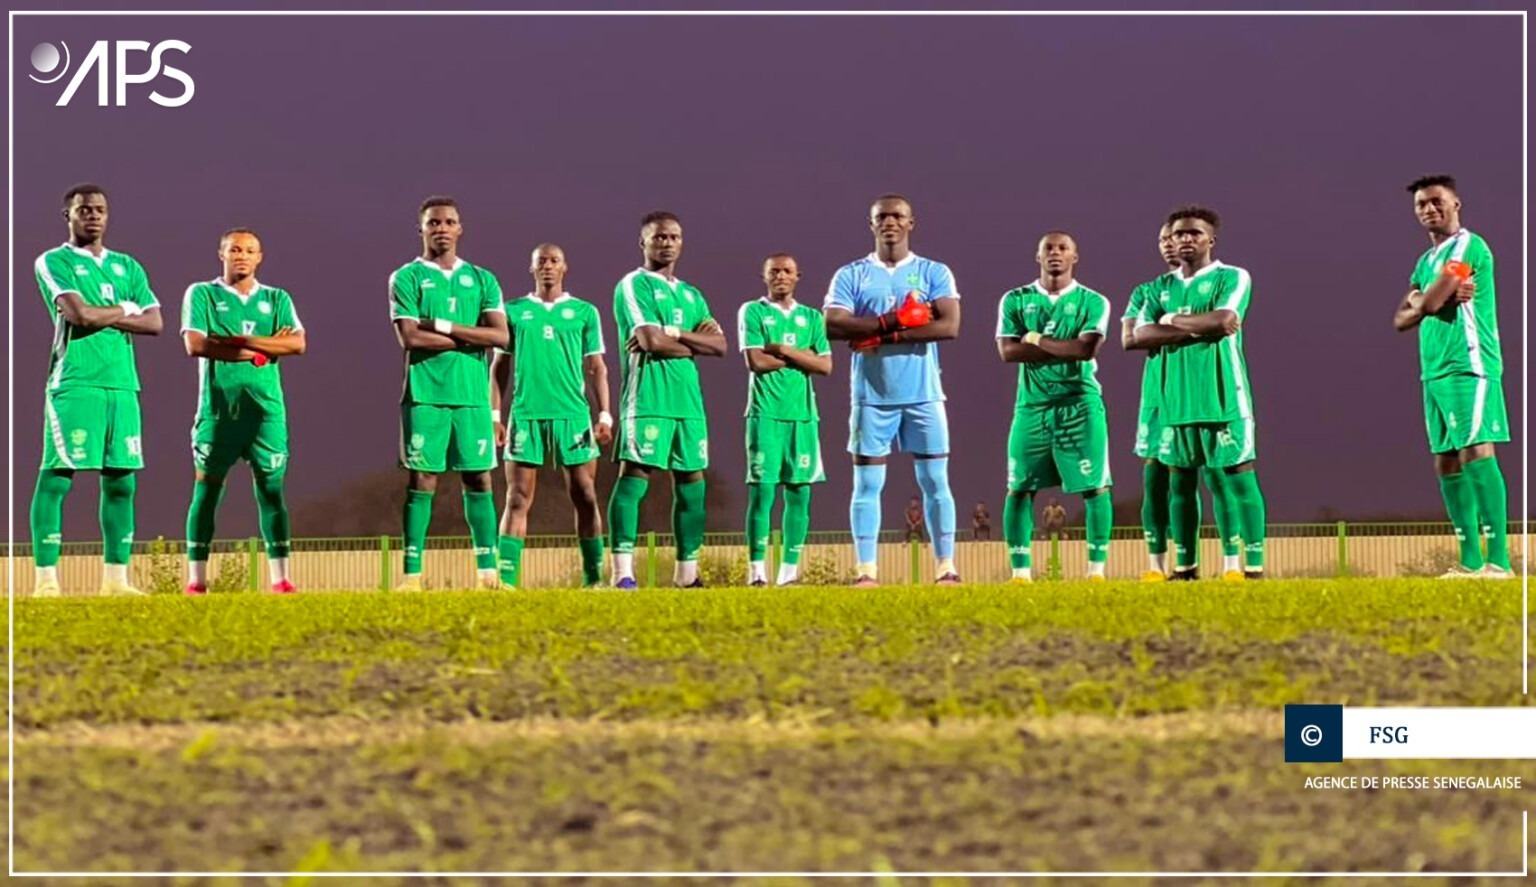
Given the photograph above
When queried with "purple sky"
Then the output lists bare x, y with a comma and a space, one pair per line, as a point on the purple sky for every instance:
770, 134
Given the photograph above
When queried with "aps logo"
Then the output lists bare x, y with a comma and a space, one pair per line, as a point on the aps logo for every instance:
114, 60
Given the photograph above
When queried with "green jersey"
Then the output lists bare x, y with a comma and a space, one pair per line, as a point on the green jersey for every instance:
226, 389
784, 393
1203, 381
548, 341
650, 385
1152, 370
100, 358
1460, 338
424, 292
1074, 312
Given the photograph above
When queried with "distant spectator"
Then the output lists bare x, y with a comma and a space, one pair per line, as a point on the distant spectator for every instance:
1053, 519
915, 519
981, 522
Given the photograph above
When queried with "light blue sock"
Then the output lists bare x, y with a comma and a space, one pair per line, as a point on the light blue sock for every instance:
938, 504
864, 512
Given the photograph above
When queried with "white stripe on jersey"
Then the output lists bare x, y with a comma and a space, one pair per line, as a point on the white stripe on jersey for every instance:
632, 302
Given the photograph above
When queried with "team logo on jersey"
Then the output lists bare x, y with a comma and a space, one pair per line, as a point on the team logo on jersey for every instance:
913, 279
1204, 288
466, 280
264, 307
568, 313
1071, 309
77, 437
799, 321
688, 297
118, 269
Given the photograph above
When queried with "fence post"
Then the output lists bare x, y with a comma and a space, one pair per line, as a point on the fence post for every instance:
913, 565
1054, 570
650, 559
255, 558
384, 571
775, 555
1343, 551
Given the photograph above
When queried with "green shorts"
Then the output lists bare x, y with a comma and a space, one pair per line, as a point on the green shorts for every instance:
436, 438
88, 429
1149, 431
1211, 444
783, 452
261, 439
535, 441
1464, 410
1064, 445
673, 444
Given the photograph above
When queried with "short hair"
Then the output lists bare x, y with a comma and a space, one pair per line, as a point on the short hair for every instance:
547, 245
437, 200
1431, 181
1059, 233
657, 216
771, 256
223, 238
1195, 211
80, 189
892, 195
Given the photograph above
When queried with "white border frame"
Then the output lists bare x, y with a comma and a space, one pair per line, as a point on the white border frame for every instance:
736, 14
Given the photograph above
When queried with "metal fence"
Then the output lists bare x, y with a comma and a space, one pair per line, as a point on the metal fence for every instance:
361, 563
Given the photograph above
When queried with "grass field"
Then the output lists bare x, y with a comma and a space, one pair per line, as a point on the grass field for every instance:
1060, 726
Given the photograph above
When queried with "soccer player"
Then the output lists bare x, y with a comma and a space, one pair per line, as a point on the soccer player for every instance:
784, 344
893, 307
1052, 328
664, 324
99, 299
1204, 406
1154, 504
238, 328
1451, 301
555, 358
447, 315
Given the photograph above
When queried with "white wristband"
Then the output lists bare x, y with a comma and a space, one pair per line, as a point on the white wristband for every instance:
1032, 337
671, 331
1166, 317
442, 326
130, 308
605, 418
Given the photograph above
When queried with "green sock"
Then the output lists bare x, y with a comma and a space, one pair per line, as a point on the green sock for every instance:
1227, 510
418, 514
1486, 481
797, 520
117, 488
1154, 506
48, 516
624, 513
591, 560
1184, 517
272, 512
759, 516
1018, 526
1100, 517
1461, 505
480, 514
510, 563
1244, 490
206, 495
688, 519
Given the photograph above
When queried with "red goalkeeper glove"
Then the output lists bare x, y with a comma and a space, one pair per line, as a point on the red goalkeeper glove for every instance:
913, 312
260, 359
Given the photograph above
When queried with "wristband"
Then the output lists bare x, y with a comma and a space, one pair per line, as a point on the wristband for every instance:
442, 326
1166, 317
605, 418
130, 308
672, 331
1032, 337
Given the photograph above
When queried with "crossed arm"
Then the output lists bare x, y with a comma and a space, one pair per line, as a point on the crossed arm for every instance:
843, 324
75, 312
705, 340
774, 356
1417, 305
1174, 329
491, 332
1042, 349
